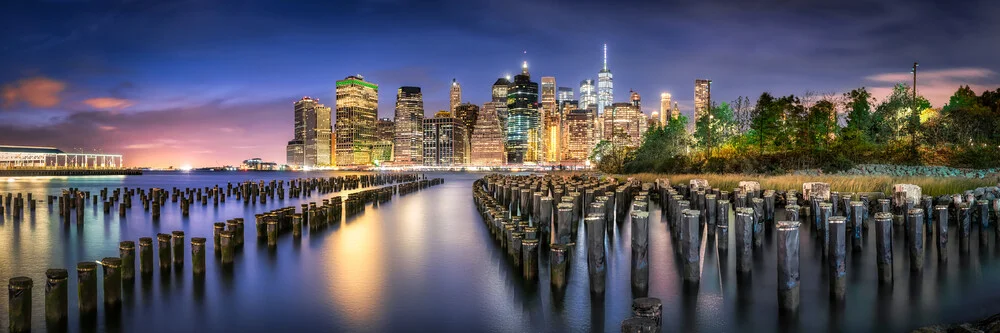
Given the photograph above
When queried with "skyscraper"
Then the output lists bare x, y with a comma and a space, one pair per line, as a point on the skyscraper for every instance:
445, 141
605, 85
499, 94
467, 113
456, 95
357, 109
665, 112
522, 121
487, 138
382, 150
408, 141
310, 146
385, 129
579, 134
564, 94
702, 97
624, 124
588, 97
549, 141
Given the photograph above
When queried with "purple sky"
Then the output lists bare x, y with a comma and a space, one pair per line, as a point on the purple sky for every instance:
211, 83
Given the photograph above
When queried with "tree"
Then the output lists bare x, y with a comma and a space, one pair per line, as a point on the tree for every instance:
663, 149
765, 122
715, 127
858, 103
821, 124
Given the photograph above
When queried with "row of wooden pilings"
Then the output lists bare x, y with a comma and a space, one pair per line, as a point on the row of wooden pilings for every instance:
837, 219
72, 202
228, 238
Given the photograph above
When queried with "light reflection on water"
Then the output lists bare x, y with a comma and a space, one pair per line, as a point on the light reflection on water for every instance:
425, 261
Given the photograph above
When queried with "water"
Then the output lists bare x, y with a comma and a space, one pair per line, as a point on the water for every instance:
426, 262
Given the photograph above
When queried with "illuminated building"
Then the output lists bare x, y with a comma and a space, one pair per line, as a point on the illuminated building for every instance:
487, 138
456, 95
702, 97
467, 113
605, 85
654, 119
665, 110
357, 110
311, 143
499, 94
549, 143
258, 164
385, 128
624, 125
49, 158
580, 139
588, 97
381, 152
295, 153
564, 94
445, 141
408, 140
522, 120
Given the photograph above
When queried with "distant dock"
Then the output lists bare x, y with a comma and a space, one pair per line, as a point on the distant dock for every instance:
68, 172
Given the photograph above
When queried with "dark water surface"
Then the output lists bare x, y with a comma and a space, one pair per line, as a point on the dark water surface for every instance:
425, 262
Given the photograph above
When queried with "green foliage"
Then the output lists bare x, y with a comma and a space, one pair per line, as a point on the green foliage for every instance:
779, 134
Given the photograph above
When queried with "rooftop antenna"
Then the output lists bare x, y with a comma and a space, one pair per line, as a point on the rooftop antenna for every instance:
605, 56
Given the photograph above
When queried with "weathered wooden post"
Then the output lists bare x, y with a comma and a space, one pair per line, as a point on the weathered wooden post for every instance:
126, 250
178, 246
915, 220
564, 221
86, 273
983, 218
558, 263
758, 221
529, 259
56, 298
927, 203
744, 239
163, 249
198, 255
941, 214
883, 243
19, 304
711, 208
596, 266
649, 307
639, 325
836, 257
691, 246
640, 249
272, 233
857, 215
112, 280
145, 255
228, 246
964, 228
788, 266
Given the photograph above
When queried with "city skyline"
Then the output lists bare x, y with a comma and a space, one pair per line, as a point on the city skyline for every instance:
199, 96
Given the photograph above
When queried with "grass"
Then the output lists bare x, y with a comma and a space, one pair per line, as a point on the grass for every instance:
934, 186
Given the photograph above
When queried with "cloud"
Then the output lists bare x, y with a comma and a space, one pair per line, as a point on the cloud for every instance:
108, 103
39, 92
106, 128
936, 85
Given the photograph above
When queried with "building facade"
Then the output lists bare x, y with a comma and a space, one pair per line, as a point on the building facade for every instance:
564, 94
549, 116
702, 97
580, 139
357, 111
624, 125
467, 113
312, 137
408, 140
666, 112
499, 99
455, 96
523, 119
445, 141
605, 85
588, 96
487, 145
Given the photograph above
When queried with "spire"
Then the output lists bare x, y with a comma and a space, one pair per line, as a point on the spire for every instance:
605, 56
524, 68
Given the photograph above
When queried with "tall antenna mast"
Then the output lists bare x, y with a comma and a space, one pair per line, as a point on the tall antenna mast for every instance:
605, 56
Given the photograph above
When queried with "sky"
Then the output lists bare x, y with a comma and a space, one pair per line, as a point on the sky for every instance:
210, 83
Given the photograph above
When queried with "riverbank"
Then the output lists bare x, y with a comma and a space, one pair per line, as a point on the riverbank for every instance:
53, 172
989, 324
934, 186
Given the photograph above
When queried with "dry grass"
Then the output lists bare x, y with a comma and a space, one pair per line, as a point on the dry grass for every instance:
930, 185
